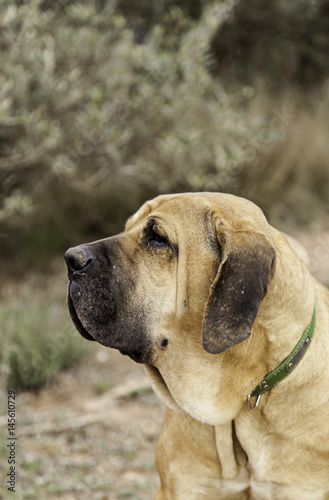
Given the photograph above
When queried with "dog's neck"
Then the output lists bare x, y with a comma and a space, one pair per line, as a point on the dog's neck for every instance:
281, 316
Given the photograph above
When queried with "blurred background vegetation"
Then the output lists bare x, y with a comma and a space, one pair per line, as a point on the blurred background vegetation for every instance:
105, 103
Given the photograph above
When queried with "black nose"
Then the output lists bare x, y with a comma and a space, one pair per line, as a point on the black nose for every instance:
77, 259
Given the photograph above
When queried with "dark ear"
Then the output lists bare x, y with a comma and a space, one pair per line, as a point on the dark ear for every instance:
243, 276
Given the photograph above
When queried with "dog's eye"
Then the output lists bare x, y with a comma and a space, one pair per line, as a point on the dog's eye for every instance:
155, 240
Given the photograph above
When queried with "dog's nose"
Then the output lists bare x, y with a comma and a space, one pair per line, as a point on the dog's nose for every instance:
77, 259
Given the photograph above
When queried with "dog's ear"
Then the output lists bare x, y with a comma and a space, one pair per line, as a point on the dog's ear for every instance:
244, 273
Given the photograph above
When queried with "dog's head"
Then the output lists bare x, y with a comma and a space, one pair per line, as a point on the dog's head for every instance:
198, 264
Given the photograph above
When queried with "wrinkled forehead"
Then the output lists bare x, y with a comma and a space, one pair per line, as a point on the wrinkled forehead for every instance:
195, 209
176, 208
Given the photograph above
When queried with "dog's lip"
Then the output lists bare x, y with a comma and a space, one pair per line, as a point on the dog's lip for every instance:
76, 321
135, 355
139, 356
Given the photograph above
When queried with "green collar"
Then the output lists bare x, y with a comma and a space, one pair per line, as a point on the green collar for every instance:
287, 366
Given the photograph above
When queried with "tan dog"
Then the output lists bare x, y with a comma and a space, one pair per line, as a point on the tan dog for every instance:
204, 292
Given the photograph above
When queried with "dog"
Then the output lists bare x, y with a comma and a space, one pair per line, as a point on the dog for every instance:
233, 332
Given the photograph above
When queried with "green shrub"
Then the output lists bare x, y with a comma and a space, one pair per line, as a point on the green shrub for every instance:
94, 122
37, 338
283, 43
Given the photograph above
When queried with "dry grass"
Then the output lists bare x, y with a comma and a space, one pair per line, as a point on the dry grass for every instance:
289, 178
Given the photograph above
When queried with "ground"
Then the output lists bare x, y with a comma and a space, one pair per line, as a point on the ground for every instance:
92, 433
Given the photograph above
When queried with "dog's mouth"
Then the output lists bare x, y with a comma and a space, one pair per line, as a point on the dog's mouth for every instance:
143, 355
137, 356
76, 321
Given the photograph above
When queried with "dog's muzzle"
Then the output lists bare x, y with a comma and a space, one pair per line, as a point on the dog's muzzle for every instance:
98, 301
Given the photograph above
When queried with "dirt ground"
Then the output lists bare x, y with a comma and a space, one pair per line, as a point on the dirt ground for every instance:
92, 434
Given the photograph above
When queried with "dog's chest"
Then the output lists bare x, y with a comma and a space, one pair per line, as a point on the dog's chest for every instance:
280, 464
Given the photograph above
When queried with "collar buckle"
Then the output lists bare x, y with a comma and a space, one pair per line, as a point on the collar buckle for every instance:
252, 407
